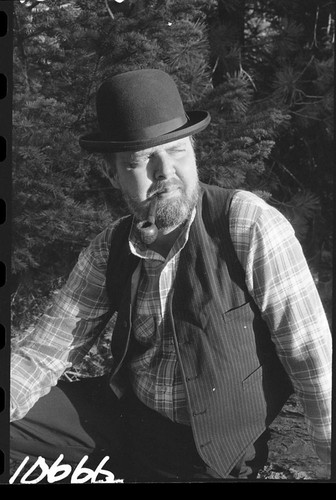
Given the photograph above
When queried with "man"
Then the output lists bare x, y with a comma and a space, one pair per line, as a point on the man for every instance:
218, 316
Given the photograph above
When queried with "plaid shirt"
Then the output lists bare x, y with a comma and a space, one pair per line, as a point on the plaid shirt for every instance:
277, 277
155, 375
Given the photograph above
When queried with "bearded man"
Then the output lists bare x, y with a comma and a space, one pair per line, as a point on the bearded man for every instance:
218, 319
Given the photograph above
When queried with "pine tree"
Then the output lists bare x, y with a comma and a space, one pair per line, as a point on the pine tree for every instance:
284, 52
295, 72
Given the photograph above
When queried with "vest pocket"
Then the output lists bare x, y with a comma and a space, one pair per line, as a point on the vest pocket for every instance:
239, 313
253, 378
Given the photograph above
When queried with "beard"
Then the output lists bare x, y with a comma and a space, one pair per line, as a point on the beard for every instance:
170, 212
175, 211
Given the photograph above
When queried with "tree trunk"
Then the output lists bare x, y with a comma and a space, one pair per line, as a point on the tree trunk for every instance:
230, 39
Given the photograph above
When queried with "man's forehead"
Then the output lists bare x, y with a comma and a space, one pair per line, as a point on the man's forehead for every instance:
161, 147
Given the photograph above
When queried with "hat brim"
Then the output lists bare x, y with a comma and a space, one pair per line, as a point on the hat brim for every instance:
197, 121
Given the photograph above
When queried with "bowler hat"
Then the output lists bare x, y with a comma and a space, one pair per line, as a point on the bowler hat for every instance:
138, 110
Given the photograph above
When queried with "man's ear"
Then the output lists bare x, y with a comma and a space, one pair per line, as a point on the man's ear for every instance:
109, 169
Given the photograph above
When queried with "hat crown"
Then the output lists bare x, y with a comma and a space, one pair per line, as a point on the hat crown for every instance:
139, 110
139, 105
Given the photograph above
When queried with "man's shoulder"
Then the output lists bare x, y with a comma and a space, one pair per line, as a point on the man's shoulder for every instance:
246, 198
249, 210
215, 199
99, 246
239, 200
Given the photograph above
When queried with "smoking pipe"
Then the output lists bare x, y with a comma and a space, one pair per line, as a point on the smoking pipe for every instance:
147, 229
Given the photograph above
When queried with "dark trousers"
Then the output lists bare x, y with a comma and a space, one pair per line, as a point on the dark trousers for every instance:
86, 419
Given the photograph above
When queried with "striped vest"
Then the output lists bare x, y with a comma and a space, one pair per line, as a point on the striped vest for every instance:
234, 382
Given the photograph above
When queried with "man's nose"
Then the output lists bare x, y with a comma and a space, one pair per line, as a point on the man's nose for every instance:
163, 166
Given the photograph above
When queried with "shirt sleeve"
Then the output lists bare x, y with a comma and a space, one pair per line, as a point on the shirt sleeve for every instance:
65, 332
279, 280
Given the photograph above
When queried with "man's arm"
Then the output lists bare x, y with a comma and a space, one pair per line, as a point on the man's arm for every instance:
279, 280
65, 332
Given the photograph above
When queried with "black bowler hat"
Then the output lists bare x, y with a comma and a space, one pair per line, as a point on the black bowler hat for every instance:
138, 110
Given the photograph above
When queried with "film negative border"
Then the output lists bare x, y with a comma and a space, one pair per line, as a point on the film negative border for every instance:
6, 70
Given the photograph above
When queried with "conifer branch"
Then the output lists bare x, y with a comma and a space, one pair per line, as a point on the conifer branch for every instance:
109, 10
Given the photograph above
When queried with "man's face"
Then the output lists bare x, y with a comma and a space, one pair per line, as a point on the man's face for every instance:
167, 171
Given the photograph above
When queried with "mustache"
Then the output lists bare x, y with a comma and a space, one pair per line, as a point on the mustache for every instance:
161, 186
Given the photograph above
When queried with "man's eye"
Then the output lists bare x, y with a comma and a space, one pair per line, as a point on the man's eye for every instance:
138, 162
178, 151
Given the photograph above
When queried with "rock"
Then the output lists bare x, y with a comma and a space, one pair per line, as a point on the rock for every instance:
291, 455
